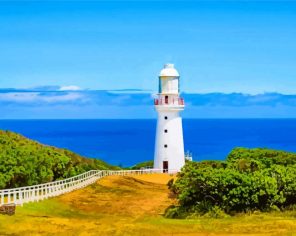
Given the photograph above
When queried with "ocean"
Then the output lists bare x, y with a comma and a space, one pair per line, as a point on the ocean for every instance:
127, 142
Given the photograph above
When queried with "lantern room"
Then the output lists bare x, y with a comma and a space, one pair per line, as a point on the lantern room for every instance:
169, 80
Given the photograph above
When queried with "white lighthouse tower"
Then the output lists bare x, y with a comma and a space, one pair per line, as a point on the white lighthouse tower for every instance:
169, 146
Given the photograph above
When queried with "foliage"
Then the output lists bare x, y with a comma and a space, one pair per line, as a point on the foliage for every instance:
249, 180
251, 158
25, 162
145, 164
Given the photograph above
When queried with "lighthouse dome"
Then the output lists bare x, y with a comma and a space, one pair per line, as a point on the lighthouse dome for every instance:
169, 71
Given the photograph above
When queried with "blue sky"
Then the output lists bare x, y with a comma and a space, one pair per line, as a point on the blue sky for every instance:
218, 46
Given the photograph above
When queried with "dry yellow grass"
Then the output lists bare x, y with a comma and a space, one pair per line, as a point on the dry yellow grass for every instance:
130, 205
129, 196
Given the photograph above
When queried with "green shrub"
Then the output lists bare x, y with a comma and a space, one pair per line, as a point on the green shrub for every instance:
25, 162
264, 157
216, 212
249, 180
175, 212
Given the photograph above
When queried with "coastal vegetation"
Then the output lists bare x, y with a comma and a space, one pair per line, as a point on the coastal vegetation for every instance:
132, 205
249, 180
251, 192
25, 162
145, 164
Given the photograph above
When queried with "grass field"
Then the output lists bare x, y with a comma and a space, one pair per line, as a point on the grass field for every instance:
131, 205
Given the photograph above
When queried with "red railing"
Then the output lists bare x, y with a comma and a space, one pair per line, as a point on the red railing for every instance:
171, 101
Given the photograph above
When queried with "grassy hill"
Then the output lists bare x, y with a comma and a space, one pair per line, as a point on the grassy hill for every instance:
26, 162
132, 205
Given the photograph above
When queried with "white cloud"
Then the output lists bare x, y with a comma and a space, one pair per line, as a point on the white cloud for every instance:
29, 97
70, 88
18, 97
62, 98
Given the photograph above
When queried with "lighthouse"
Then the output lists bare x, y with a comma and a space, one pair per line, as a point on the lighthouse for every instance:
169, 145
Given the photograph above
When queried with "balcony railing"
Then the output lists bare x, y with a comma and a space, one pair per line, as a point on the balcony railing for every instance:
168, 102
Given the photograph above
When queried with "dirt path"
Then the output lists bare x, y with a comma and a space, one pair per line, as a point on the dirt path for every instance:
131, 196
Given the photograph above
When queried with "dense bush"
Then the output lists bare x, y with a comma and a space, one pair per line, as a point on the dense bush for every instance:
260, 156
250, 179
25, 162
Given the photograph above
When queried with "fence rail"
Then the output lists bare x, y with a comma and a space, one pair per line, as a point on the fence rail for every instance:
33, 193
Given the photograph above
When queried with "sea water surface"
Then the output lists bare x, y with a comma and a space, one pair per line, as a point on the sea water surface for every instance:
127, 142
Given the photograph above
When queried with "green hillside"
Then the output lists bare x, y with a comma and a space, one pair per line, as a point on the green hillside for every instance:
26, 162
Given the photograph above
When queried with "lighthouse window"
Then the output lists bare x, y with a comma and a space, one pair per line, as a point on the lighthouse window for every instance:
165, 130
165, 145
165, 117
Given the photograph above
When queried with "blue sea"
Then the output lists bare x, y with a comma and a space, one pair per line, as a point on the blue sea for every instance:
127, 142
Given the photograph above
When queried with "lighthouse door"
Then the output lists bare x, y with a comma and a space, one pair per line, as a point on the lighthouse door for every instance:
166, 99
165, 166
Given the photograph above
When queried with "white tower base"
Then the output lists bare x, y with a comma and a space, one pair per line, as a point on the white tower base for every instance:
169, 146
